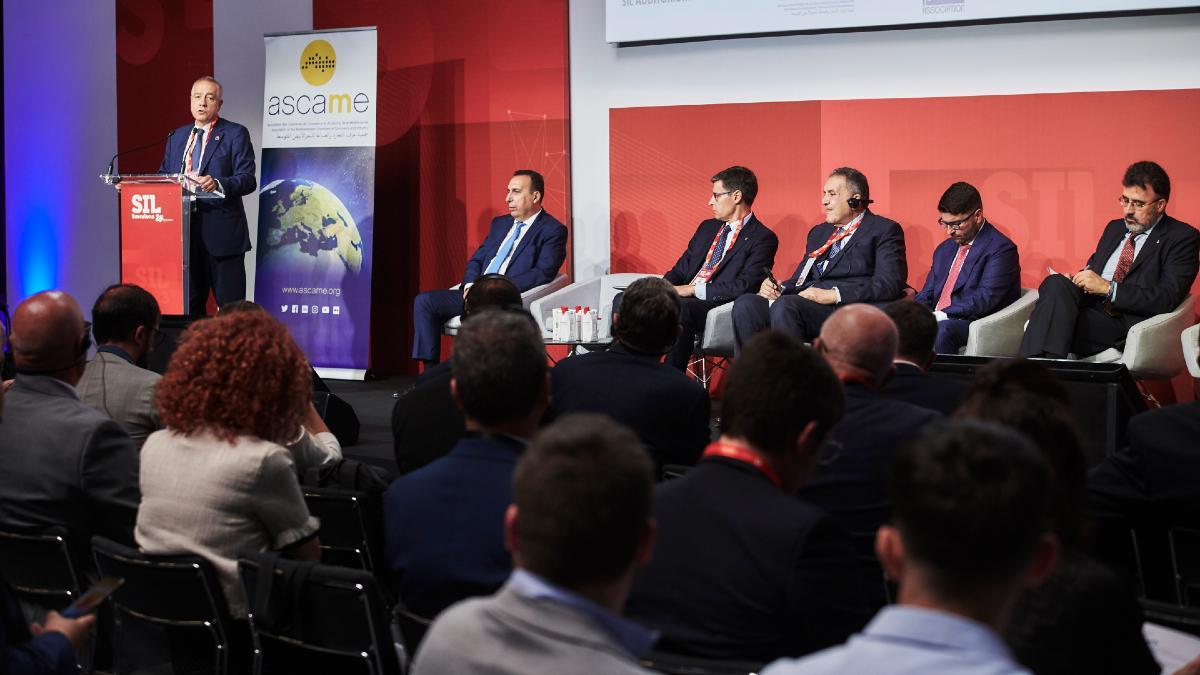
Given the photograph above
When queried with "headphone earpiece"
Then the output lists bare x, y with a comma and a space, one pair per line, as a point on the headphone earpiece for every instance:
855, 202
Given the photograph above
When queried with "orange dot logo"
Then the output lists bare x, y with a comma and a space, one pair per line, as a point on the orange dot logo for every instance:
317, 62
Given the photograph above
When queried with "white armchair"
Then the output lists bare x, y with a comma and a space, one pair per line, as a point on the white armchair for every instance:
1191, 350
527, 298
717, 339
1152, 347
597, 293
1000, 334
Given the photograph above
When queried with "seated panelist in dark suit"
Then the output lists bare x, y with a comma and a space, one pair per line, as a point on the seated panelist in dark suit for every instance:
668, 410
912, 383
528, 246
426, 421
743, 569
727, 256
1144, 265
854, 256
976, 271
219, 155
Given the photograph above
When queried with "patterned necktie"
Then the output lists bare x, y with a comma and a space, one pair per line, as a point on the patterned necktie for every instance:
834, 249
505, 248
952, 278
1126, 259
197, 149
718, 247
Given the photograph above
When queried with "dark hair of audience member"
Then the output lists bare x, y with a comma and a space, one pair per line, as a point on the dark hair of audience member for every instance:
491, 290
233, 375
856, 181
1046, 422
583, 490
1148, 174
120, 309
916, 328
775, 388
960, 198
498, 365
1022, 374
239, 306
536, 182
970, 501
739, 178
649, 318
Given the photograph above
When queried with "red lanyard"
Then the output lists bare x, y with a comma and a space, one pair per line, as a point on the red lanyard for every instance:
741, 453
705, 273
187, 152
838, 235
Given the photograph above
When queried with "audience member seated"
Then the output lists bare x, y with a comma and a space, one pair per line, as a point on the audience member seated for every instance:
65, 463
578, 526
630, 383
743, 569
219, 479
48, 648
528, 246
426, 422
1152, 478
916, 330
970, 502
117, 382
1143, 265
1082, 618
317, 445
854, 256
850, 481
976, 270
444, 534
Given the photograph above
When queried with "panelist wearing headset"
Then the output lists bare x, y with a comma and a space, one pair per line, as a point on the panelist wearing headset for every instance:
854, 256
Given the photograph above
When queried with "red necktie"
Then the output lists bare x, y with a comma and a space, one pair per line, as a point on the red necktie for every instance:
955, 267
1125, 261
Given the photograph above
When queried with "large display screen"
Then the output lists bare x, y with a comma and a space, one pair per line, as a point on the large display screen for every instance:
647, 20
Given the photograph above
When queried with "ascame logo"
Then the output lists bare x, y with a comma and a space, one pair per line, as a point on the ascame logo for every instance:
317, 62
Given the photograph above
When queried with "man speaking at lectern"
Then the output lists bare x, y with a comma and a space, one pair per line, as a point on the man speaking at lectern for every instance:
218, 154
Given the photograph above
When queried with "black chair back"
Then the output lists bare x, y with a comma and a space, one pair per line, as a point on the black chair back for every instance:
351, 527
1185, 562
676, 664
180, 593
41, 567
307, 617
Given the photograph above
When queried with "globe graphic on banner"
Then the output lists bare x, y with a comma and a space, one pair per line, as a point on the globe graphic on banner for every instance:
308, 229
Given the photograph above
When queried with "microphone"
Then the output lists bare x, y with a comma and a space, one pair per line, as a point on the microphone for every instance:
767, 270
112, 161
183, 160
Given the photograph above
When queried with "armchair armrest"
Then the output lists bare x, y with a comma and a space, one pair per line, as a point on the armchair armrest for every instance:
1000, 334
1153, 349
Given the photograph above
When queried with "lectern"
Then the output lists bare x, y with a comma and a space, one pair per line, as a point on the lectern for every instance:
156, 210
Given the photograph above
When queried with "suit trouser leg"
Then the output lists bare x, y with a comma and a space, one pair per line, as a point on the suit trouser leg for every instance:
199, 277
751, 314
1096, 330
799, 317
951, 336
692, 313
228, 277
1052, 324
431, 310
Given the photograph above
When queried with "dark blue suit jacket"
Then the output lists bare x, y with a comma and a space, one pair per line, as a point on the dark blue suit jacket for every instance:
538, 256
229, 158
871, 268
444, 524
741, 268
990, 278
1161, 275
668, 410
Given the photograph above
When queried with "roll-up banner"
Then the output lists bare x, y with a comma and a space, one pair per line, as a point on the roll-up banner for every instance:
317, 201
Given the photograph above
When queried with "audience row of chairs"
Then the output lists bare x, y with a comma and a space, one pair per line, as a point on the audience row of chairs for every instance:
1152, 349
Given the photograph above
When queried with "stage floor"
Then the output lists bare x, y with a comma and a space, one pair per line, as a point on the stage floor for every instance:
372, 402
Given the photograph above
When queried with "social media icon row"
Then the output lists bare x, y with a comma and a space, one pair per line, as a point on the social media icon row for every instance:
310, 309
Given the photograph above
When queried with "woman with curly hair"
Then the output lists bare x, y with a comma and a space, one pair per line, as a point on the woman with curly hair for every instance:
219, 480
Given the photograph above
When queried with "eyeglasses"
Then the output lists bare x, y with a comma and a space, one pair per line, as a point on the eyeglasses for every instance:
1137, 204
718, 195
956, 224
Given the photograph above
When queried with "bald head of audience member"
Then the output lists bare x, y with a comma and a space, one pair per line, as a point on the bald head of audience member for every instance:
49, 337
859, 342
491, 290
